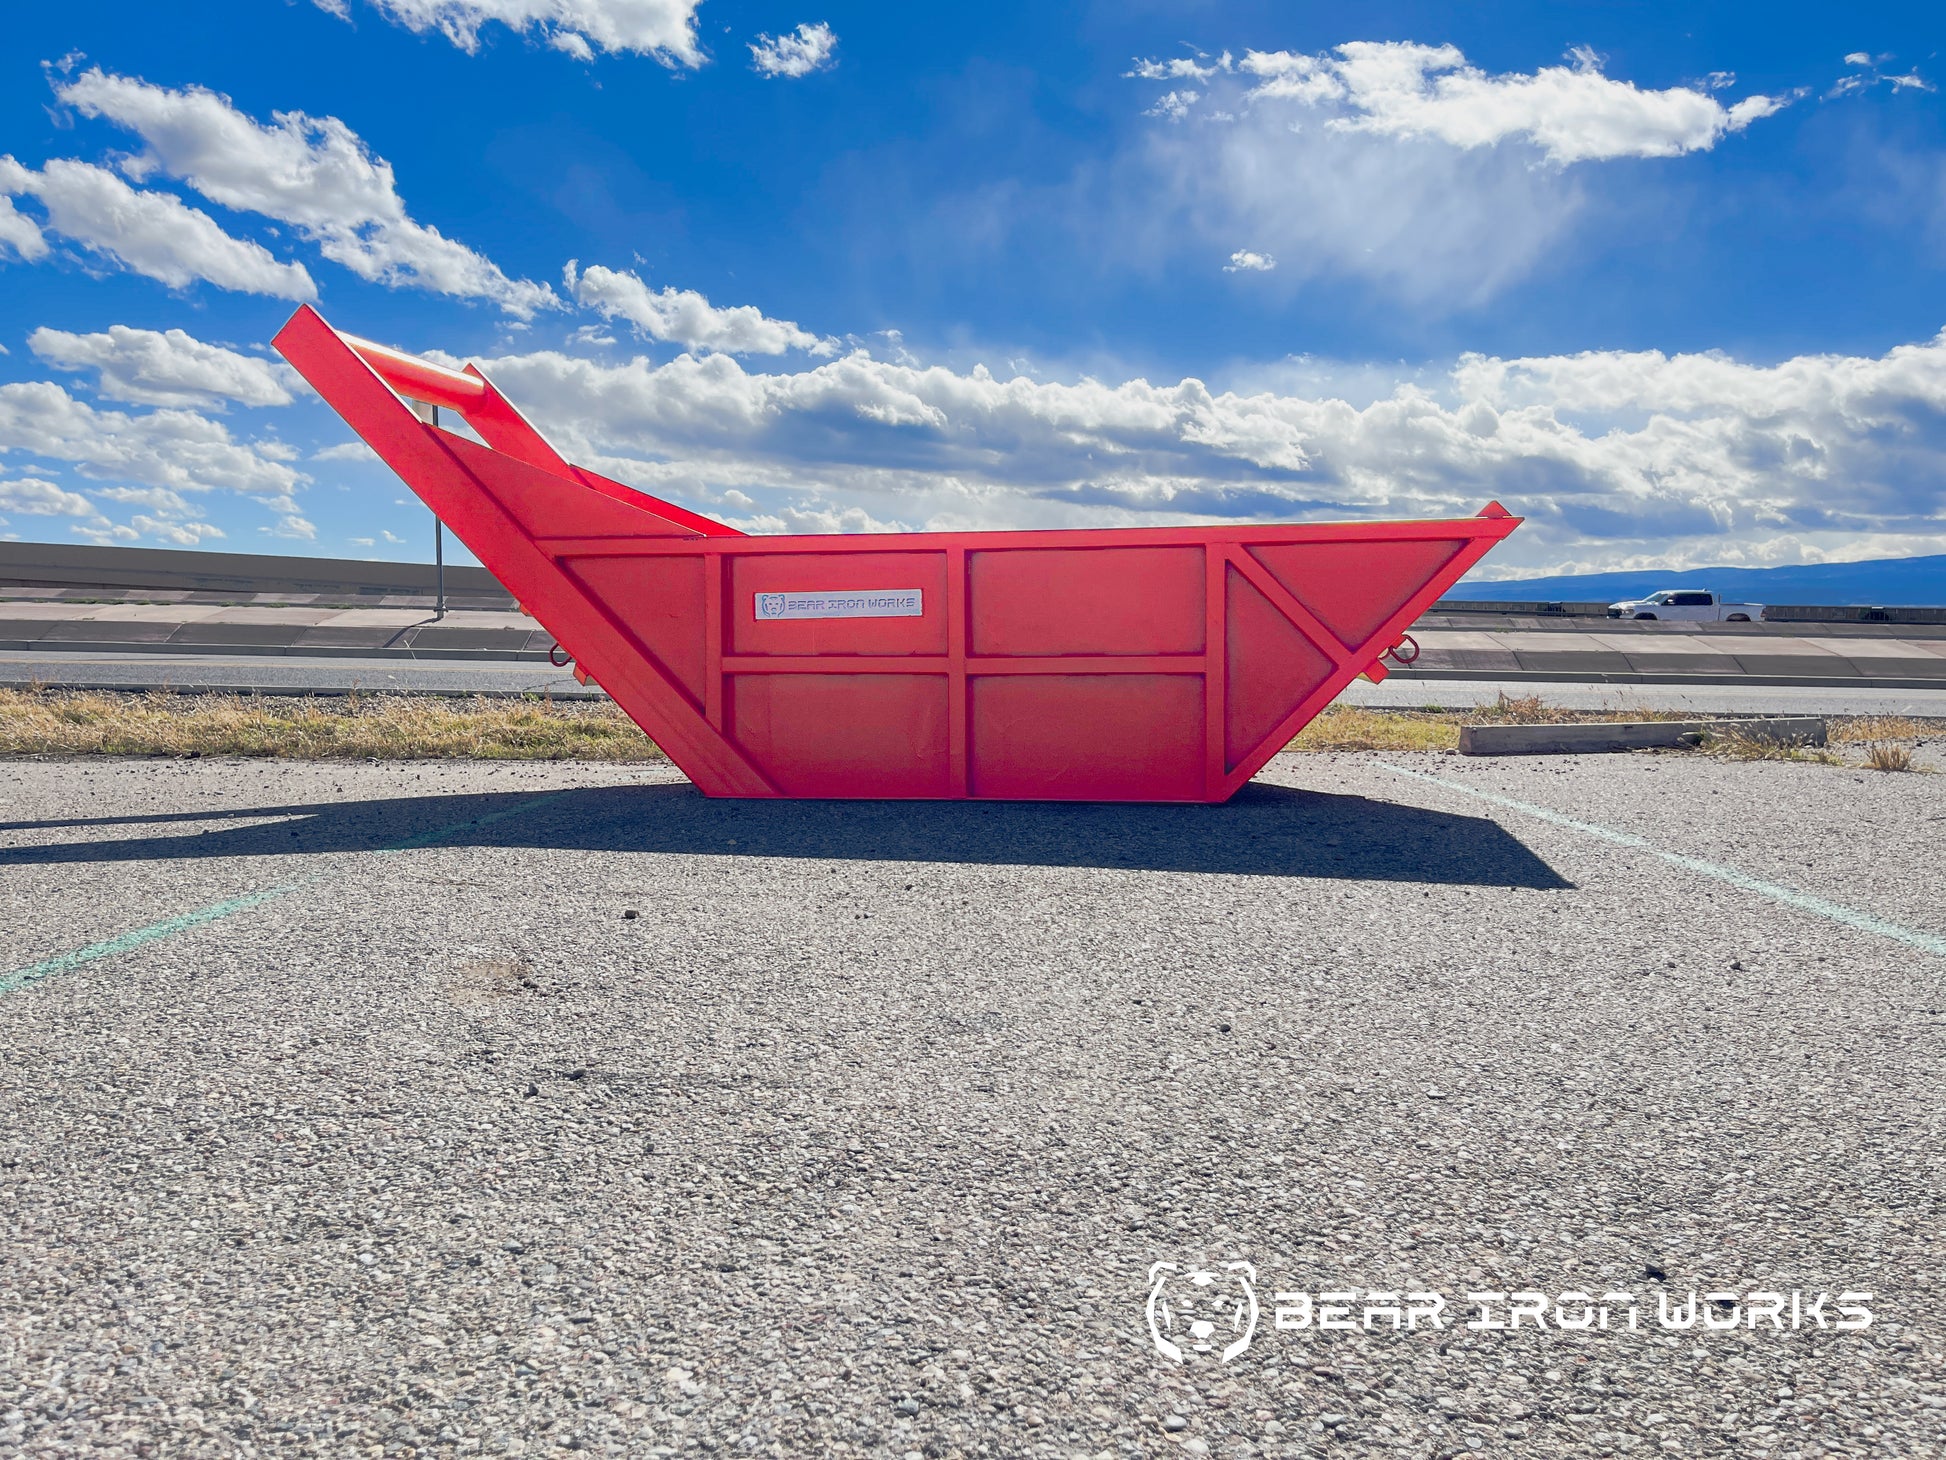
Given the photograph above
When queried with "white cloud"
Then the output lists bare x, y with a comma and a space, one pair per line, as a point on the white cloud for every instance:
32, 497
292, 526
1248, 261
347, 451
1396, 164
106, 532
315, 174
390, 537
1173, 106
156, 499
169, 368
1181, 68
1613, 457
181, 534
686, 318
1873, 73
18, 233
1571, 113
664, 29
176, 449
809, 48
152, 233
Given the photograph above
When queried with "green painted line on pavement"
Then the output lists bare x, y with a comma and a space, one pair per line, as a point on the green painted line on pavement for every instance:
1775, 891
20, 978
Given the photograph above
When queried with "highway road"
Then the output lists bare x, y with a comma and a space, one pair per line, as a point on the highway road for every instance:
300, 675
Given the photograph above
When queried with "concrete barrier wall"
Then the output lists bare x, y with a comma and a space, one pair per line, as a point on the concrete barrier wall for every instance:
74, 568
71, 566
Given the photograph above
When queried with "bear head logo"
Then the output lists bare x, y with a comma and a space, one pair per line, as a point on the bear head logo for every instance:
770, 605
1202, 1311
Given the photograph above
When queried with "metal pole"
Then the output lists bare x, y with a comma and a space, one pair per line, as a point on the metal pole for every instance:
438, 542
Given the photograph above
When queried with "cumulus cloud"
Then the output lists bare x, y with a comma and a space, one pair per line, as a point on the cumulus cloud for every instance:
798, 53
19, 234
164, 368
32, 497
180, 450
1248, 261
151, 233
664, 29
177, 534
313, 173
1572, 113
1613, 457
684, 317
356, 451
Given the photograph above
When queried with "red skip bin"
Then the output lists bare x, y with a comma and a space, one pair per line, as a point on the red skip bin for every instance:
1115, 664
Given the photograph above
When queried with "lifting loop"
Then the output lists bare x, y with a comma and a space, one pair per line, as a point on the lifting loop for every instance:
1405, 651
564, 661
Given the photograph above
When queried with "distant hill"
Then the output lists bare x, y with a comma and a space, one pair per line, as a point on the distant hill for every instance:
1883, 583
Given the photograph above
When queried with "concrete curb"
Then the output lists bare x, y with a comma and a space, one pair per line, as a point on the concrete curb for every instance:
324, 692
403, 654
1568, 676
1630, 735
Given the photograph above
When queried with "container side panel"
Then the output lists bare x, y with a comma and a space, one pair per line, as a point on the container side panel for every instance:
752, 573
845, 735
1270, 666
1354, 587
658, 601
1111, 600
546, 505
1087, 737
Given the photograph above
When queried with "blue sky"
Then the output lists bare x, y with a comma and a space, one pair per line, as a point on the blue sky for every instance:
1671, 284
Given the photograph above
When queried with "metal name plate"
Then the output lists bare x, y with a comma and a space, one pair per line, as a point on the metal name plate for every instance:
858, 603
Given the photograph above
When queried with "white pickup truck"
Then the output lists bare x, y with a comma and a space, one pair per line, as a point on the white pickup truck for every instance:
1687, 605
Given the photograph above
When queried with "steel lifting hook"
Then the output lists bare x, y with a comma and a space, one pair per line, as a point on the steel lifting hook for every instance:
1405, 651
564, 661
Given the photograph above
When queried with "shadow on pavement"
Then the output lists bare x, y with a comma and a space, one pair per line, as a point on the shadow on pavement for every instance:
1265, 831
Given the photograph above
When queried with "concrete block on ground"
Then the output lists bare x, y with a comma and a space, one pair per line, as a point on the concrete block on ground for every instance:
1630, 735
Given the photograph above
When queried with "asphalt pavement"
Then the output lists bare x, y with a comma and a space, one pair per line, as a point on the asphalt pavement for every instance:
453, 1109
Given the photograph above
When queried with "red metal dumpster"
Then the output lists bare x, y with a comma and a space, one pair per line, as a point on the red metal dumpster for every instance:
1144, 664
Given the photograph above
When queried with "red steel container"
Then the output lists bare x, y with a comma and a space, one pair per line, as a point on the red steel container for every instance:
1117, 664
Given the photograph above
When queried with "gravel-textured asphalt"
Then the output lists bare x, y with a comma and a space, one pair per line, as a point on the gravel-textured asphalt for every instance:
625, 1122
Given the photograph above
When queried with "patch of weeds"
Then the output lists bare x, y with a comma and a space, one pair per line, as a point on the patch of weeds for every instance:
38, 721
1888, 755
1736, 744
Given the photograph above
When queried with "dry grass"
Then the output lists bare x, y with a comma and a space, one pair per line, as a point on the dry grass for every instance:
1887, 756
386, 727
1351, 727
406, 727
1735, 745
1533, 710
1886, 741
1872, 729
